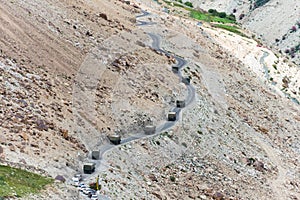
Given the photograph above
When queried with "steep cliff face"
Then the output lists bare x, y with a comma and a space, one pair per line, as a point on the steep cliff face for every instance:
277, 23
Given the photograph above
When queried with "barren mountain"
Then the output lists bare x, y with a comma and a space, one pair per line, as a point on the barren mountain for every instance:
42, 48
74, 72
276, 23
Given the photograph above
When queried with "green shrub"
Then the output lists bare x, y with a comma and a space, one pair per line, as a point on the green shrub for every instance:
172, 178
200, 16
212, 11
189, 4
231, 17
213, 16
259, 3
222, 14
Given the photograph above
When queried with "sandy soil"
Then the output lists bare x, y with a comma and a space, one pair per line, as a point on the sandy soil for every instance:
235, 118
263, 62
74, 71
271, 23
42, 47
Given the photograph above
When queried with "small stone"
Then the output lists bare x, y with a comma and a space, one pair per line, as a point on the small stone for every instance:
12, 148
34, 145
24, 136
218, 196
203, 197
103, 16
152, 177
259, 166
157, 195
263, 129
22, 160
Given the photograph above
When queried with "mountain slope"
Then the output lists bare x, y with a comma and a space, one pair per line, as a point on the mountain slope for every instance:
271, 21
73, 72
42, 45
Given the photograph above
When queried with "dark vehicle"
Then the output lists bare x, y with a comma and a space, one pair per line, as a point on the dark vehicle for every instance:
186, 80
115, 139
172, 116
89, 168
175, 69
180, 103
95, 155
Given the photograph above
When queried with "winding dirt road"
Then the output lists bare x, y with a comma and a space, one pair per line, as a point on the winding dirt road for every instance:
167, 124
156, 41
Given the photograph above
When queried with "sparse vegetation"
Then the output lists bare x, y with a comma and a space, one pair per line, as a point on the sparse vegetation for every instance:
19, 183
241, 16
166, 134
172, 178
233, 29
212, 16
216, 13
259, 3
297, 47
293, 50
293, 29
189, 4
184, 144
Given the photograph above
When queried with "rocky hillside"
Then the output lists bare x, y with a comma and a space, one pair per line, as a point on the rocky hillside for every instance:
42, 46
74, 71
276, 23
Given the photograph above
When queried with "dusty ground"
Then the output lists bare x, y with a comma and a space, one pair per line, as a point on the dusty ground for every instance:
132, 91
272, 23
277, 72
42, 47
236, 118
73, 72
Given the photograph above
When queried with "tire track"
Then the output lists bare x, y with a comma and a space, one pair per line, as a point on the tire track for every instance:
279, 182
